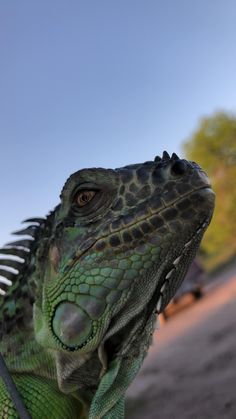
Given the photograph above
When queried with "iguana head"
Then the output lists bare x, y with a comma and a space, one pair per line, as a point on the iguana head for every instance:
121, 243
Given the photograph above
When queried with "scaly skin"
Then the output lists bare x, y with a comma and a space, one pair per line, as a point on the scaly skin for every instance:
78, 320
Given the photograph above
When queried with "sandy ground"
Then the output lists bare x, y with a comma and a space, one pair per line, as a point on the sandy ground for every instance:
190, 371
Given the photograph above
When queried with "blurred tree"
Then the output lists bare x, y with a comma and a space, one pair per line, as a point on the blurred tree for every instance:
213, 146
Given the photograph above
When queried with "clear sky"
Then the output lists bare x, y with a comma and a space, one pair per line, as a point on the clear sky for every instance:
103, 83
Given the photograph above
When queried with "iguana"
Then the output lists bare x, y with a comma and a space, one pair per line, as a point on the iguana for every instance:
89, 280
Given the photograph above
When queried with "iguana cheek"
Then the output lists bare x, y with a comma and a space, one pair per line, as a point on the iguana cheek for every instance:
71, 325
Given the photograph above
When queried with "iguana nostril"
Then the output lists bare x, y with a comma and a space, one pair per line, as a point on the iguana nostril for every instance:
178, 167
71, 324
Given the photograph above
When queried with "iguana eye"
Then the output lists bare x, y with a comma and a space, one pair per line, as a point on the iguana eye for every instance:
82, 198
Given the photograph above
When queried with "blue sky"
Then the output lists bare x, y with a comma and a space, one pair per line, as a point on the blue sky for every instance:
103, 83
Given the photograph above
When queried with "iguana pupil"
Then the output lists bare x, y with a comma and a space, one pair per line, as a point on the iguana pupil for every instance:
84, 197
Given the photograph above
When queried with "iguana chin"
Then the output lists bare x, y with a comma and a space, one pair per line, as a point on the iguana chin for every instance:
78, 319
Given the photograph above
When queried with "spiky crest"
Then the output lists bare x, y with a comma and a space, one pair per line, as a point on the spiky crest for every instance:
17, 288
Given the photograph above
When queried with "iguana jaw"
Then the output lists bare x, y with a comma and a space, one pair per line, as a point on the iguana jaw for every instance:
181, 256
173, 275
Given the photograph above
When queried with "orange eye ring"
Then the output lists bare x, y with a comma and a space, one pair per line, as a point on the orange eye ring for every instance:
82, 198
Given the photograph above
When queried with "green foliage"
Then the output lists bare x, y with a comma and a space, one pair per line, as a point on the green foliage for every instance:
213, 146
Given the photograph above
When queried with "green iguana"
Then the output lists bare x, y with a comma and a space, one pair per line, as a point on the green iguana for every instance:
88, 281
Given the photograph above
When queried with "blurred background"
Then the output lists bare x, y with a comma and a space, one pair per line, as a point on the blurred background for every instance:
108, 83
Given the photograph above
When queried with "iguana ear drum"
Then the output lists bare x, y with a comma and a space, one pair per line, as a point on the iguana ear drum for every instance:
71, 325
